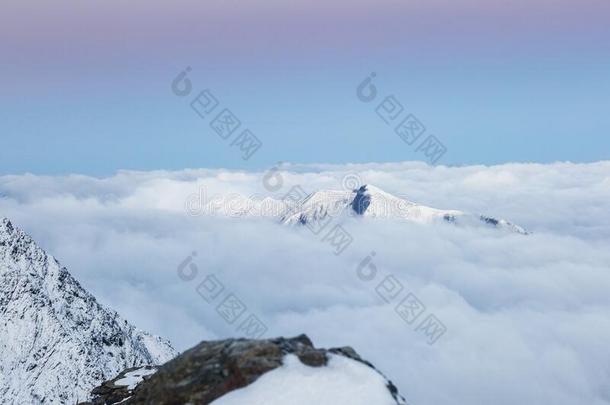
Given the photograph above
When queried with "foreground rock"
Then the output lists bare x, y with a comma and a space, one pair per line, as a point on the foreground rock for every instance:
211, 370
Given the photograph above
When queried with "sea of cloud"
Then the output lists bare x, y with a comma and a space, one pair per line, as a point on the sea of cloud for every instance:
527, 318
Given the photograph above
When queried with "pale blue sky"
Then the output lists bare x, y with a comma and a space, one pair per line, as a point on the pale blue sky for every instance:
532, 84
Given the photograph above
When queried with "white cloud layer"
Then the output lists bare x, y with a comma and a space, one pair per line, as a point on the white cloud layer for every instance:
527, 317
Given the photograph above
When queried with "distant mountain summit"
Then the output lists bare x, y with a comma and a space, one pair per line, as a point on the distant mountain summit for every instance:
369, 201
56, 341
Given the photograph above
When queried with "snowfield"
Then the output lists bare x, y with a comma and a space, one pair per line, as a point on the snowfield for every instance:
341, 381
135, 377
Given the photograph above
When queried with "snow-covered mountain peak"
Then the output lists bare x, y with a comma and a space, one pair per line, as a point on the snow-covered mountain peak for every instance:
373, 190
7, 230
56, 340
18, 247
371, 201
5, 225
322, 196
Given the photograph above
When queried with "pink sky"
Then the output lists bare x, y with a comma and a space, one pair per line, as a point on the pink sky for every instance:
70, 30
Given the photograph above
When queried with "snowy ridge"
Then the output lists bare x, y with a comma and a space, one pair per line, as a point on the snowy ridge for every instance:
341, 381
56, 341
371, 202
367, 202
279, 371
317, 206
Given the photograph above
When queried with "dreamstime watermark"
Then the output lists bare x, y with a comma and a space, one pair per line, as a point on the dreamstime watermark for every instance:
289, 208
233, 205
225, 124
337, 237
227, 304
407, 126
409, 308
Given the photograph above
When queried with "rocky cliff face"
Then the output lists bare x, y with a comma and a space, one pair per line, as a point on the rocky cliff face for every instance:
252, 372
56, 341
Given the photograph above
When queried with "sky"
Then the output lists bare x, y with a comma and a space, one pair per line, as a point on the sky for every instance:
87, 87
527, 317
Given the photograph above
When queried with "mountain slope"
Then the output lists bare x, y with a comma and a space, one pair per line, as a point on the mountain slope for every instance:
56, 340
371, 202
366, 201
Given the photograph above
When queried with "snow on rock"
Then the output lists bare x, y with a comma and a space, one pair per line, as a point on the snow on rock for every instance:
250, 372
342, 381
135, 377
56, 341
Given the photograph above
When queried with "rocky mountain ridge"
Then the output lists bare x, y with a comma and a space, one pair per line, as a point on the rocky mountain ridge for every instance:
56, 340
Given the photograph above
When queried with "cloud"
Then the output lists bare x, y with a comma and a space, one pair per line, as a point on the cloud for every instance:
527, 317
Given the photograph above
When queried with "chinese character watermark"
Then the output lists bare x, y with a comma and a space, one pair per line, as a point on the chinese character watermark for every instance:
227, 304
408, 127
409, 308
225, 124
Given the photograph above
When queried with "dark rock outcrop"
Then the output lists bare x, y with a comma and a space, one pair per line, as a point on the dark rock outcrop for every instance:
212, 369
